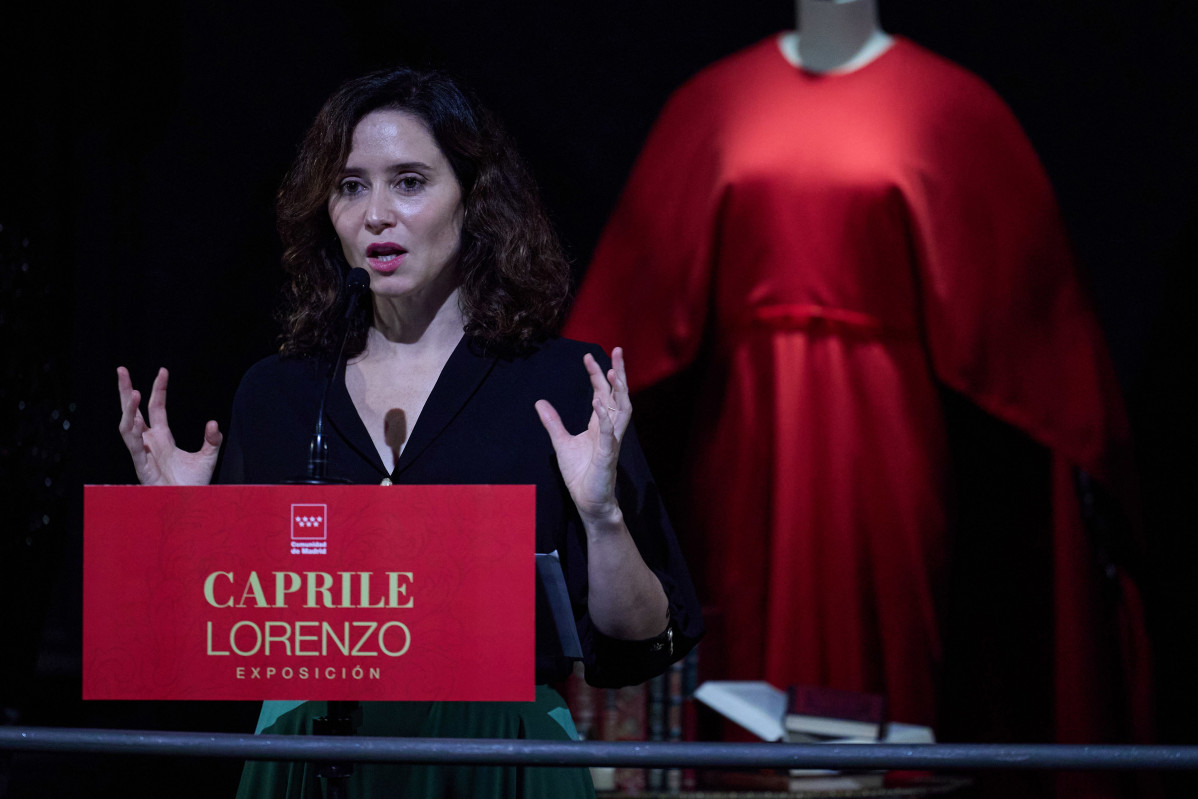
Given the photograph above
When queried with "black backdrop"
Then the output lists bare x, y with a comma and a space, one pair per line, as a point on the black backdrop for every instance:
141, 151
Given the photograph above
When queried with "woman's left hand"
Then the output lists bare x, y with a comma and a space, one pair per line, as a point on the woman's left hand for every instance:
588, 460
625, 598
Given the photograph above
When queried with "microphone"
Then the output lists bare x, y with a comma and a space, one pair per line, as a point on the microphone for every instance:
356, 284
395, 431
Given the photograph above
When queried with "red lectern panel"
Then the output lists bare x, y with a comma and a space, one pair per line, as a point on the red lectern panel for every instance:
309, 592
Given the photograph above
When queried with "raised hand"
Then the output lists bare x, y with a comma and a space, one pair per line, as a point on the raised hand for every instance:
156, 458
624, 597
588, 460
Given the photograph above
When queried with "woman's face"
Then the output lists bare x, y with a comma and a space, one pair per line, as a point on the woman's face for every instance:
397, 208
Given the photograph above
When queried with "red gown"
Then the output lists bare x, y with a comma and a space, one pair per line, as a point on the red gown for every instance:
827, 251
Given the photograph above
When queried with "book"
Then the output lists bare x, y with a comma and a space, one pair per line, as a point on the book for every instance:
781, 781
761, 709
655, 777
817, 710
688, 777
586, 704
895, 733
624, 719
753, 704
835, 781
674, 701
583, 701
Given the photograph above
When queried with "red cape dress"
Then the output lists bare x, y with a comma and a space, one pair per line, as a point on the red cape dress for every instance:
828, 252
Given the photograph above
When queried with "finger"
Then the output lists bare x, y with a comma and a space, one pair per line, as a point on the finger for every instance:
621, 405
133, 434
617, 364
619, 394
606, 441
157, 404
599, 383
621, 397
605, 416
552, 423
137, 442
132, 424
130, 400
212, 439
618, 379
124, 385
130, 415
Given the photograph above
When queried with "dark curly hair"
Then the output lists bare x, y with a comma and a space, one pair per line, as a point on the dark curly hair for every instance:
515, 280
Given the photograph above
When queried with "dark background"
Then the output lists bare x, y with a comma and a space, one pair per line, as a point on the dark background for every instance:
141, 151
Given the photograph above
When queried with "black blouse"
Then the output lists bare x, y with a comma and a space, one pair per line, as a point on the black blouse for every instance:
479, 426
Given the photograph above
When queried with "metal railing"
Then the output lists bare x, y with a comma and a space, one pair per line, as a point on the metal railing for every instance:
474, 751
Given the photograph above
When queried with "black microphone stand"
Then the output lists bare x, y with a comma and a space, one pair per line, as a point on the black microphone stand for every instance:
339, 720
356, 284
339, 717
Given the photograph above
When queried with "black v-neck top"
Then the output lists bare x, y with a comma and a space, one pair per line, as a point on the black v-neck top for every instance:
478, 426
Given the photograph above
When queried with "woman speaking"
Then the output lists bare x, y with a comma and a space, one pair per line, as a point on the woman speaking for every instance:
454, 376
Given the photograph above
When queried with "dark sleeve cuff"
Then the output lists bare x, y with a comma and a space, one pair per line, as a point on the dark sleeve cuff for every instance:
619, 662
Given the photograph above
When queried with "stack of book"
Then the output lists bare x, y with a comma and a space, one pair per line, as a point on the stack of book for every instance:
816, 713
663, 710
808, 714
659, 710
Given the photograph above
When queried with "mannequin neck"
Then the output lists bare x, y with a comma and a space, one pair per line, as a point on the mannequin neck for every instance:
835, 35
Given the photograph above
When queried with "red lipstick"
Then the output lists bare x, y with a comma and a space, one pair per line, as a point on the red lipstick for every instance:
385, 257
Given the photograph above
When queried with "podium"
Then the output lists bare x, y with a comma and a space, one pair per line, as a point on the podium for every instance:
331, 592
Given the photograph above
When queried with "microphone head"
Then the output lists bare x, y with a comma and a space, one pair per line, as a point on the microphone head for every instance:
357, 280
395, 430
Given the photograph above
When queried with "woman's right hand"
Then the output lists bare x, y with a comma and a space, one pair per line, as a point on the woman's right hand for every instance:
155, 457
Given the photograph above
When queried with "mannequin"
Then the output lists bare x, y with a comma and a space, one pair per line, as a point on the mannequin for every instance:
821, 260
834, 36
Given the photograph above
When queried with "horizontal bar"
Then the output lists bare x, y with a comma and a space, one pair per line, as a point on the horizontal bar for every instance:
474, 751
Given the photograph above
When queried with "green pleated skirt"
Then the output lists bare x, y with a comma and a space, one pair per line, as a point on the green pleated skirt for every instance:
545, 718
